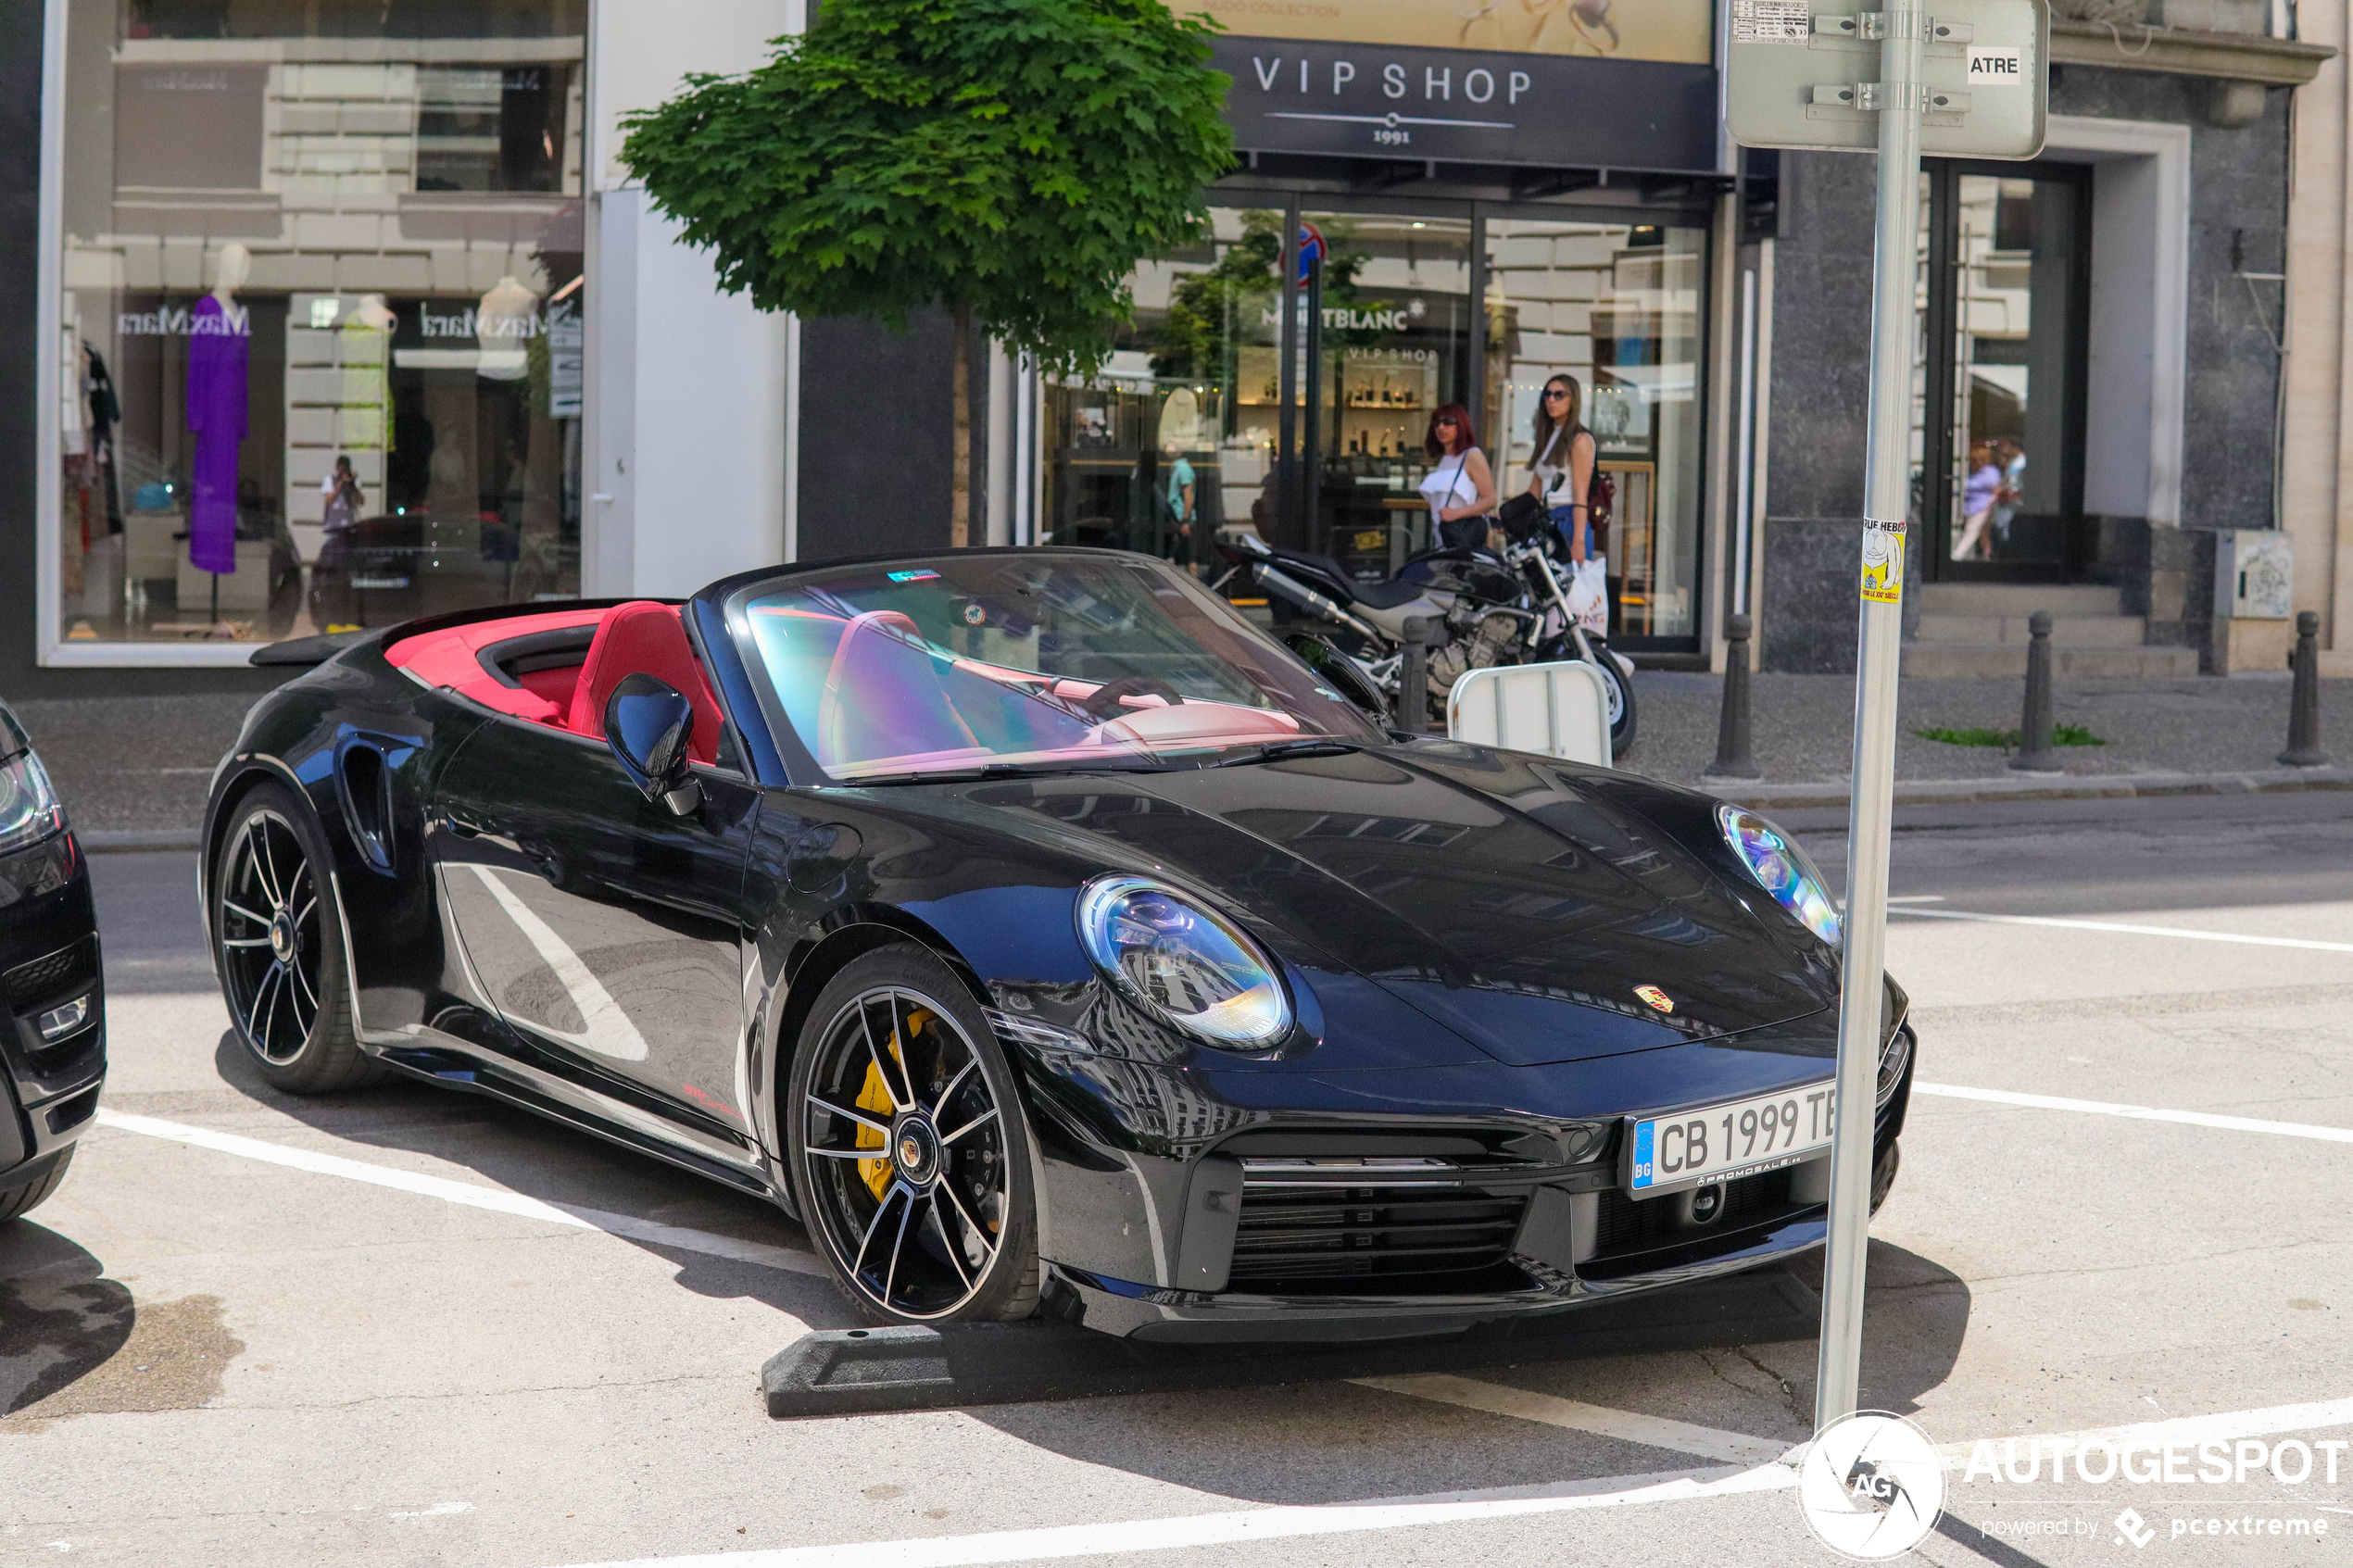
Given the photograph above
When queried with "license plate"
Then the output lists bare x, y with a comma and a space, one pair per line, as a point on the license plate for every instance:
1720, 1143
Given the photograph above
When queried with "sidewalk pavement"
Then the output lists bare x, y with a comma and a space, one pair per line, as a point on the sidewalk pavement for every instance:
133, 769
2193, 734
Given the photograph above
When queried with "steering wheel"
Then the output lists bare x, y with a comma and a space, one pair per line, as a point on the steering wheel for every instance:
1103, 705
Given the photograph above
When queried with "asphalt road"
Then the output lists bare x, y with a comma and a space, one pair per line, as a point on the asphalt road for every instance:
403, 1326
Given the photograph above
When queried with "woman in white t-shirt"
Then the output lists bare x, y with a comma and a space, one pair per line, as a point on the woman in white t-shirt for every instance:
1562, 476
1461, 486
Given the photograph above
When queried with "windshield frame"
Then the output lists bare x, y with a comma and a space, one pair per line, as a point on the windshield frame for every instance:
735, 597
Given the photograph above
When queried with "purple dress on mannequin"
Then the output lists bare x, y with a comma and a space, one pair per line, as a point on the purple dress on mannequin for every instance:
217, 354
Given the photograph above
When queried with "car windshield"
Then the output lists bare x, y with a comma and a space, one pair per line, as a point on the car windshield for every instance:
1048, 661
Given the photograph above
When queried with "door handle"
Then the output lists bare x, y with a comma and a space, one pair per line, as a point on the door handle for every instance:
458, 826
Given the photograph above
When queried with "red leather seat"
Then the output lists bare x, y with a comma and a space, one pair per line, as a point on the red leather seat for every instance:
451, 657
644, 638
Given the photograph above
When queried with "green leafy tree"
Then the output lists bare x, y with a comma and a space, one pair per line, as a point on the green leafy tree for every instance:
1007, 160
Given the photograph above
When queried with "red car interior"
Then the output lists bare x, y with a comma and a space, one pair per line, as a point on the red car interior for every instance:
560, 667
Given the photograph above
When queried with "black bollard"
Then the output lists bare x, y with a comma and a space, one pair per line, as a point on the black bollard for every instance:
1413, 677
2304, 699
2034, 752
1732, 744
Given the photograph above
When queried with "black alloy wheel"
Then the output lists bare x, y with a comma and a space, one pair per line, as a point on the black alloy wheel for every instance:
278, 945
909, 1150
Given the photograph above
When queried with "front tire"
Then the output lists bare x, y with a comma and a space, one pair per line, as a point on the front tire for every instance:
908, 1149
18, 1201
278, 947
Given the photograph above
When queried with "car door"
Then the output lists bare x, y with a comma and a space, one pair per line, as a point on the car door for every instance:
605, 929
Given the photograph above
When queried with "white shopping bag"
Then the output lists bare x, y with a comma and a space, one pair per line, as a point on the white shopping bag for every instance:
1589, 594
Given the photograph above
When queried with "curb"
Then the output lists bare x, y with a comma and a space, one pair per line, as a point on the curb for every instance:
105, 841
2047, 786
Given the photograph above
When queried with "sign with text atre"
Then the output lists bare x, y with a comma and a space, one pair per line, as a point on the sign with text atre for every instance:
1464, 106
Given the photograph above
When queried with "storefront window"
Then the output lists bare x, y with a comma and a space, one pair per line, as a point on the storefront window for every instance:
1618, 307
1386, 321
1174, 439
2005, 295
320, 347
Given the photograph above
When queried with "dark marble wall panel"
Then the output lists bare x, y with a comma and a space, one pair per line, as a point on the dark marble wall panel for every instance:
1821, 395
877, 435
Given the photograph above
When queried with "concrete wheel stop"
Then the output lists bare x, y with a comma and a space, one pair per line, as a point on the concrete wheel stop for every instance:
862, 1370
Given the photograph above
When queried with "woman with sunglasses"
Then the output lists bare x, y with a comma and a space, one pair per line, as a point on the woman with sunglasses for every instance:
1460, 488
1562, 476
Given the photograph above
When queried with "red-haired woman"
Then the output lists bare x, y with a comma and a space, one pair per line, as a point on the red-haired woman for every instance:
1460, 488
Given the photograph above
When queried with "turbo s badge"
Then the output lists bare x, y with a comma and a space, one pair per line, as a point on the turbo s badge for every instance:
1656, 997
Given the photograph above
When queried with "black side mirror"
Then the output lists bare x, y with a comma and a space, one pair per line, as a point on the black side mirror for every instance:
1343, 673
649, 723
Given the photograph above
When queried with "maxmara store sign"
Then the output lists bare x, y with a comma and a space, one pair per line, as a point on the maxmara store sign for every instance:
1562, 83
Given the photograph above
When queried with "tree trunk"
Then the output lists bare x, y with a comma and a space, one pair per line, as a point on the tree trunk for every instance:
960, 511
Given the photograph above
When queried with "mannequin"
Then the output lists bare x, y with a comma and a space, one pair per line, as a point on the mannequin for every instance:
218, 347
503, 326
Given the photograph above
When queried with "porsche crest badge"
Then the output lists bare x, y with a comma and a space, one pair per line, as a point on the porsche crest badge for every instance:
1656, 997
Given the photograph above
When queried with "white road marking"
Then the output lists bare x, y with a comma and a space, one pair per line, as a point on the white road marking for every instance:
2141, 1112
2308, 946
1407, 1514
1658, 1432
605, 1029
470, 1196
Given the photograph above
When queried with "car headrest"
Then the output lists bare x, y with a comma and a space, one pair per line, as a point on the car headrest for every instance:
644, 638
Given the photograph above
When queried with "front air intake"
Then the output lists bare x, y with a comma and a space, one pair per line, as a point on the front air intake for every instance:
1375, 1240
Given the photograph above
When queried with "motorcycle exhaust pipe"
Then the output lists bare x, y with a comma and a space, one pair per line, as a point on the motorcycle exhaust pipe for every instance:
1309, 599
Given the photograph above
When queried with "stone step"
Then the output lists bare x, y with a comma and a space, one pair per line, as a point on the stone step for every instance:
1954, 661
2016, 598
2067, 630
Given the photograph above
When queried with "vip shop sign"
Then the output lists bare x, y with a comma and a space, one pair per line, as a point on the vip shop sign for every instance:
1462, 106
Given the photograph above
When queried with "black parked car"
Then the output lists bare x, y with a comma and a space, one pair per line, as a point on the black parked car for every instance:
1047, 939
55, 1047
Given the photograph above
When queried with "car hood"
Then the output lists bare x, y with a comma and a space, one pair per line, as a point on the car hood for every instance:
1538, 912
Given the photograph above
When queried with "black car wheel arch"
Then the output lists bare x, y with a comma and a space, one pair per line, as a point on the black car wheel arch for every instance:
279, 948
938, 1220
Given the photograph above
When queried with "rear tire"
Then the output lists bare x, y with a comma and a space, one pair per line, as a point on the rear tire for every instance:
938, 1222
20, 1200
278, 947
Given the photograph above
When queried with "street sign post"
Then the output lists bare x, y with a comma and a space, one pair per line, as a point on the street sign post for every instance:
1961, 78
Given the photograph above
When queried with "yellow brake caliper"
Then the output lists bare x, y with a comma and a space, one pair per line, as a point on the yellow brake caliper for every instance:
874, 1095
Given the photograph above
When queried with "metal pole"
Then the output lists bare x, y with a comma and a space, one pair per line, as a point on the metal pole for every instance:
1733, 758
1886, 503
1412, 676
1747, 442
2304, 697
2034, 753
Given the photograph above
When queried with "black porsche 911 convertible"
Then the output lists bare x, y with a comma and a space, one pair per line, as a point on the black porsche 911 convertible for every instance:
1047, 939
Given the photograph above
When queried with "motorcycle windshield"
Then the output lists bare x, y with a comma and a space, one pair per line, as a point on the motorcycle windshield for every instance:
1038, 661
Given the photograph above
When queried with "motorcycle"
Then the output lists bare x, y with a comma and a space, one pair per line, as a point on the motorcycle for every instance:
1490, 610
1539, 560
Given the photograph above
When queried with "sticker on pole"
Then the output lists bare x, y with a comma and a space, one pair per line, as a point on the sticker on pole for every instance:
1773, 21
1883, 563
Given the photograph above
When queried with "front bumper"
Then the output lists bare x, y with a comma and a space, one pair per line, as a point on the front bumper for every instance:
1574, 1238
49, 970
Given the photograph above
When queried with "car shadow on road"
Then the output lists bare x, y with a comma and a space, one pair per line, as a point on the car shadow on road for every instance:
61, 1318
1337, 1442
529, 1154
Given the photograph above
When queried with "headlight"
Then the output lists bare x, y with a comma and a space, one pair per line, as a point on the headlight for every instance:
29, 808
1182, 964
1781, 869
